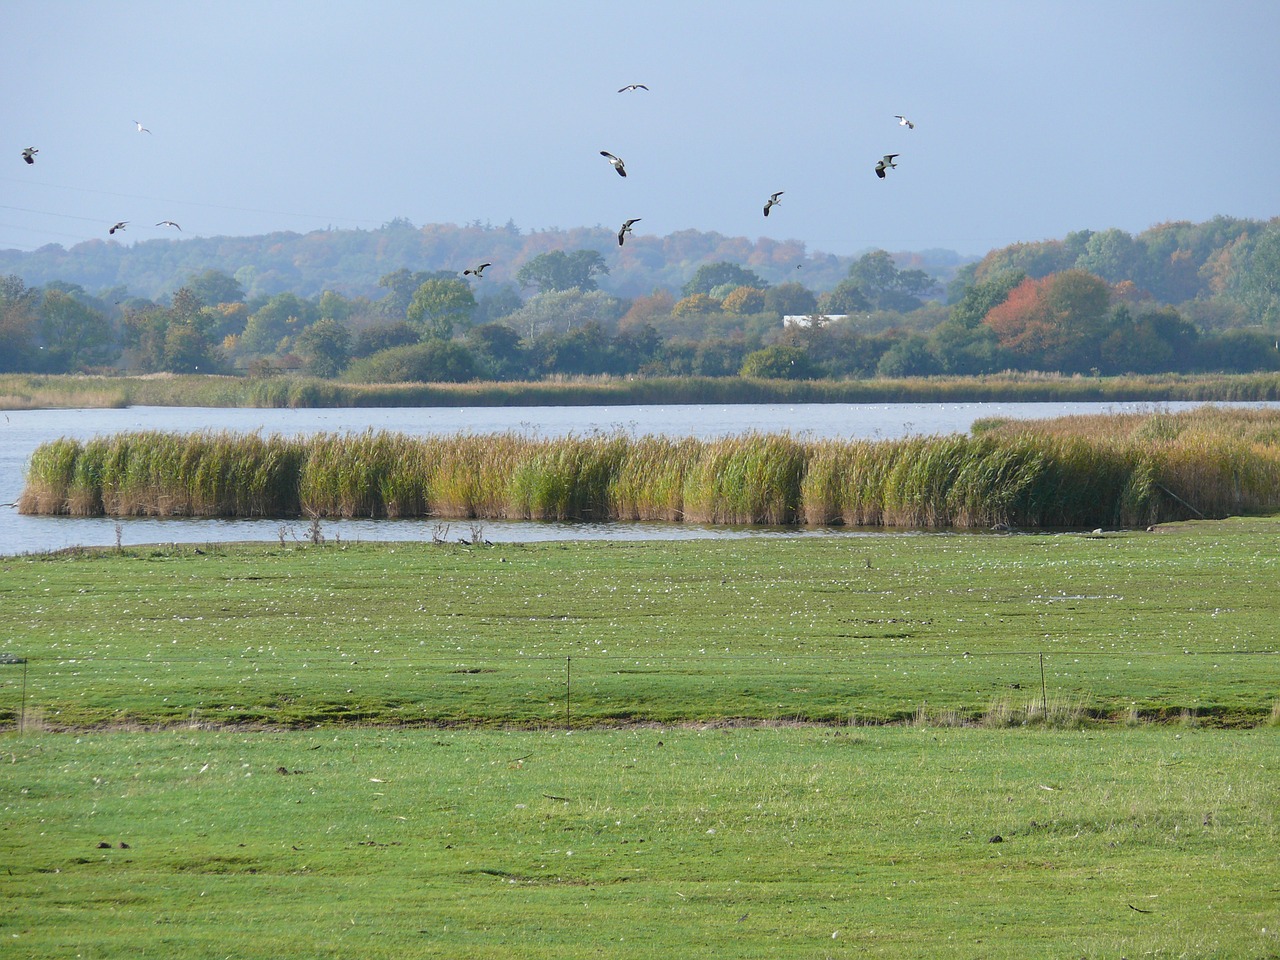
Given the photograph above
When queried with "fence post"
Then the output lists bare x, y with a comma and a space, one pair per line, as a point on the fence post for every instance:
567, 662
1044, 691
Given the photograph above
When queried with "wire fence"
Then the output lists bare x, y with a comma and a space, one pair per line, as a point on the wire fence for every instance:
580, 690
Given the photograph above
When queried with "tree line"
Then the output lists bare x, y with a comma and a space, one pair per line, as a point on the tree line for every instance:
1093, 303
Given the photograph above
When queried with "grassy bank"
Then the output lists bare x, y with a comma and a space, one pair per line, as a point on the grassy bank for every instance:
641, 844
1117, 471
946, 629
22, 391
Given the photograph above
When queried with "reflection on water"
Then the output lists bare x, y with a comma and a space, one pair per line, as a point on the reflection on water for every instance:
24, 430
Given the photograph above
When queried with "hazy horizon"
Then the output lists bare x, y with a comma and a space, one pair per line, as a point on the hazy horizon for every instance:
1032, 121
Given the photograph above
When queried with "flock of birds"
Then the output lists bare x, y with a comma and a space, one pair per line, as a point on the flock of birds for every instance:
882, 166
29, 155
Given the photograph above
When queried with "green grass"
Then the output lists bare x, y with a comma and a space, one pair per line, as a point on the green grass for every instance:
766, 843
28, 391
686, 814
866, 629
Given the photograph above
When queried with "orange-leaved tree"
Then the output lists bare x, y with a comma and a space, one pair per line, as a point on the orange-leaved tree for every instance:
1055, 323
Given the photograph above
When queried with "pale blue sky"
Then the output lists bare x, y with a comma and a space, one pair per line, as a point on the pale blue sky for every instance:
1033, 118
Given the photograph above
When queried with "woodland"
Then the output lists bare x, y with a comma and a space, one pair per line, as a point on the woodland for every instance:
394, 305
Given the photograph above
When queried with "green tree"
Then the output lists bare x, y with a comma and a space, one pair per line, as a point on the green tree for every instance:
500, 302
978, 299
711, 275
186, 351
778, 362
558, 271
556, 311
1254, 281
214, 287
334, 306
73, 336
580, 351
384, 336
909, 357
845, 299
18, 307
790, 300
283, 315
401, 285
325, 348
439, 307
885, 286
498, 352
1114, 256
432, 361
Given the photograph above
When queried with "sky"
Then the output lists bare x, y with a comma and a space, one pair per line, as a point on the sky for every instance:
1034, 118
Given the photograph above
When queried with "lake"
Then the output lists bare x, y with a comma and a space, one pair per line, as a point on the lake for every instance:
24, 430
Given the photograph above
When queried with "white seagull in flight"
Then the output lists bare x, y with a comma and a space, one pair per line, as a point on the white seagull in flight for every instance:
119, 225
616, 161
141, 128
626, 228
478, 271
167, 223
885, 164
633, 86
773, 200
29, 154
904, 122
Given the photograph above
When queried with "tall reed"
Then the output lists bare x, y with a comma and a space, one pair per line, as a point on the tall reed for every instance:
1076, 472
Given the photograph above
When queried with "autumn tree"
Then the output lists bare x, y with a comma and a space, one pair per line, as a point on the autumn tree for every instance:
745, 300
694, 304
1056, 323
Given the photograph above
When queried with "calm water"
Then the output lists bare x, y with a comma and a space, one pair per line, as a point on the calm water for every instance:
24, 430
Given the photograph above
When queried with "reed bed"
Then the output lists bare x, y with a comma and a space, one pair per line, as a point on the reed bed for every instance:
1130, 470
29, 391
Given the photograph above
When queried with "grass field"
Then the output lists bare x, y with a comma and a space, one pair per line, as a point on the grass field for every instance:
853, 842
360, 748
868, 629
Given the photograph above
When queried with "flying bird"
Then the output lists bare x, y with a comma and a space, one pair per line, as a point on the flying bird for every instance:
616, 161
29, 154
885, 164
477, 271
626, 228
141, 128
773, 200
167, 223
633, 86
119, 225
904, 122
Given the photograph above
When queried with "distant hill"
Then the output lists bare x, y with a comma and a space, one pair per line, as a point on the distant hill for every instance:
351, 261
